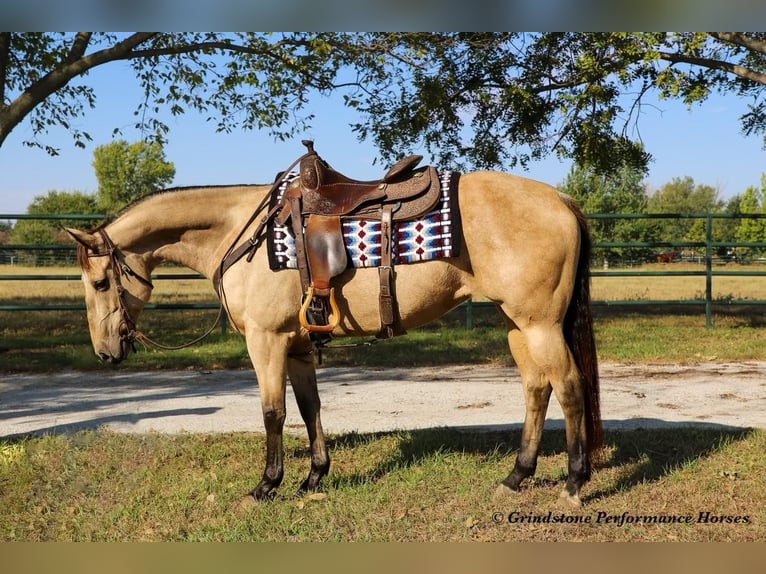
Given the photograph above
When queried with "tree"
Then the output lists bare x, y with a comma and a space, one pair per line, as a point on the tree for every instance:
753, 230
481, 99
127, 171
726, 229
53, 203
5, 231
620, 192
51, 231
682, 196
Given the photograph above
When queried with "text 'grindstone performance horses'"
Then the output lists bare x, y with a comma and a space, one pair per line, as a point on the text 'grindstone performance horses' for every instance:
320, 255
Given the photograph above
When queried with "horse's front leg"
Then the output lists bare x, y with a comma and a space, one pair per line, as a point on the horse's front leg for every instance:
268, 352
302, 373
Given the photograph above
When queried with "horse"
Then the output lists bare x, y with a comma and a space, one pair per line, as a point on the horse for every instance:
525, 247
666, 257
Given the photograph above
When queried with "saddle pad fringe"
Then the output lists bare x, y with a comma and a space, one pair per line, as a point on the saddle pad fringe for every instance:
436, 235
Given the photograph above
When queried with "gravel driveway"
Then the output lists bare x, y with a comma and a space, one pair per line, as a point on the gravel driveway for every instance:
732, 394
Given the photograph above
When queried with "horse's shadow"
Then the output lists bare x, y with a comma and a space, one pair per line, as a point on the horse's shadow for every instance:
646, 453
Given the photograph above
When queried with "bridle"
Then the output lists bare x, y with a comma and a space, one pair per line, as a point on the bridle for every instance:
128, 331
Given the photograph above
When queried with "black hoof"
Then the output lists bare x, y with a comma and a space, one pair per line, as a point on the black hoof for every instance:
264, 492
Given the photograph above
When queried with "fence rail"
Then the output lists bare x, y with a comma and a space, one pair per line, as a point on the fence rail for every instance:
709, 272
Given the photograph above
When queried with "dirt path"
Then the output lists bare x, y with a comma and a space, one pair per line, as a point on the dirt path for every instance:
730, 394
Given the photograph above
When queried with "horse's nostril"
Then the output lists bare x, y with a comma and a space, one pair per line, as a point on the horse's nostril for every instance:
103, 356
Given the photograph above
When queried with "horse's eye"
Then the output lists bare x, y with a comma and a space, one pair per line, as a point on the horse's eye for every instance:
101, 284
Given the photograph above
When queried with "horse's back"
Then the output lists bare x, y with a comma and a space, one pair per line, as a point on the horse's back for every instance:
493, 194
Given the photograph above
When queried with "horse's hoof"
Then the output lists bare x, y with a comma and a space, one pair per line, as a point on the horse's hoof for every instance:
504, 491
569, 501
265, 491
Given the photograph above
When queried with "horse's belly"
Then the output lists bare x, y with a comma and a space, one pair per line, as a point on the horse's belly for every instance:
423, 292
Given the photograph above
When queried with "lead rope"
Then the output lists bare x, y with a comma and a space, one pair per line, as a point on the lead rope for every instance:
137, 335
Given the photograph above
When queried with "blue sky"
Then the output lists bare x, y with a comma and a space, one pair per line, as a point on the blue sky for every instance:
704, 143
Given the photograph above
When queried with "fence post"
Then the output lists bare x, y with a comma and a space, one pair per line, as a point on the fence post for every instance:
224, 323
708, 271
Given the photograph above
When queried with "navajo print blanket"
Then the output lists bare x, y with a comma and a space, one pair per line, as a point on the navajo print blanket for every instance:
436, 235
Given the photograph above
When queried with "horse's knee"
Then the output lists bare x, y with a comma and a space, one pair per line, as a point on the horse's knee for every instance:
273, 419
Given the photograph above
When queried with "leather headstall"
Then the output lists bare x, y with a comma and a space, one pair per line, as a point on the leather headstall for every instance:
120, 267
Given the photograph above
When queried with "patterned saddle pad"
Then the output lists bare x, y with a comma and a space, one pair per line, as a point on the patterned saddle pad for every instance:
436, 235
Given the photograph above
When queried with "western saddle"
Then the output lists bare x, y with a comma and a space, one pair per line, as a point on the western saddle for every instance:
316, 203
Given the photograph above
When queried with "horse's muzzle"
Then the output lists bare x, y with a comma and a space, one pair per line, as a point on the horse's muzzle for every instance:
106, 358
114, 354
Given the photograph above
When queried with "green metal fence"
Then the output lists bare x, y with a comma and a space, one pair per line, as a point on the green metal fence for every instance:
708, 246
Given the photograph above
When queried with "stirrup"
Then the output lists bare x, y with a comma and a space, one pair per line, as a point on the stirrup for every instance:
333, 320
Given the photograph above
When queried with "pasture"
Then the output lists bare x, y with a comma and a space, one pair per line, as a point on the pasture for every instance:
675, 484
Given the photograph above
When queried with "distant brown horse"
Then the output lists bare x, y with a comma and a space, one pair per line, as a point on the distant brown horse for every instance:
524, 246
666, 257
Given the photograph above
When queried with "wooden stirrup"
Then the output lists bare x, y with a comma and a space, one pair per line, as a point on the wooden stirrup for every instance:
333, 320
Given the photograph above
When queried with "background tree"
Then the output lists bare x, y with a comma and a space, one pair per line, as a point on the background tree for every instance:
480, 99
619, 192
44, 231
5, 231
128, 171
753, 230
682, 196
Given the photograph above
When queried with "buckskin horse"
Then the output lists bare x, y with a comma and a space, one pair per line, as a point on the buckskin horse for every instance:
523, 245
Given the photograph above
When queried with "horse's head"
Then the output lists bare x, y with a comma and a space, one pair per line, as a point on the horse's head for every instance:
117, 286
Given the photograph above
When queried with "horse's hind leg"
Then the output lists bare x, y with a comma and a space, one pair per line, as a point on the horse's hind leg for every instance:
537, 392
302, 374
548, 349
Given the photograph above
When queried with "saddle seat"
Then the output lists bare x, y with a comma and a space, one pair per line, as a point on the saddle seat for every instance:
325, 191
317, 201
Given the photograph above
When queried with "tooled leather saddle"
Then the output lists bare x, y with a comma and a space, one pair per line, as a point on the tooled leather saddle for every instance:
315, 205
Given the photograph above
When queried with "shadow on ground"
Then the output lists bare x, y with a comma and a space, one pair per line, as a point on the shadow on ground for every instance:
648, 454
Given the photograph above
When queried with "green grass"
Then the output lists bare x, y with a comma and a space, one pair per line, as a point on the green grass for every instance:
433, 485
679, 339
418, 485
47, 341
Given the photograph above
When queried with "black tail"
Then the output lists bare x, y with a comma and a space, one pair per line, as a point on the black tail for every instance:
578, 332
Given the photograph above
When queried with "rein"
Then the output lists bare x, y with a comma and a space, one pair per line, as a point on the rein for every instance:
131, 334
250, 245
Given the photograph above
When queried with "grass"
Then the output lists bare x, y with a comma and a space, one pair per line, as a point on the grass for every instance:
433, 485
52, 340
724, 288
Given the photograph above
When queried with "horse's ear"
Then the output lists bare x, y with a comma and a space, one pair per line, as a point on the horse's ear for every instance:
83, 238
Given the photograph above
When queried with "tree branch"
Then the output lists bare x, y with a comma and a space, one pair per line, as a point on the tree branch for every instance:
740, 71
189, 48
61, 75
79, 45
741, 40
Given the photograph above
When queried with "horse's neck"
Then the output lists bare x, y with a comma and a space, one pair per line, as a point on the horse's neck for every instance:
188, 226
